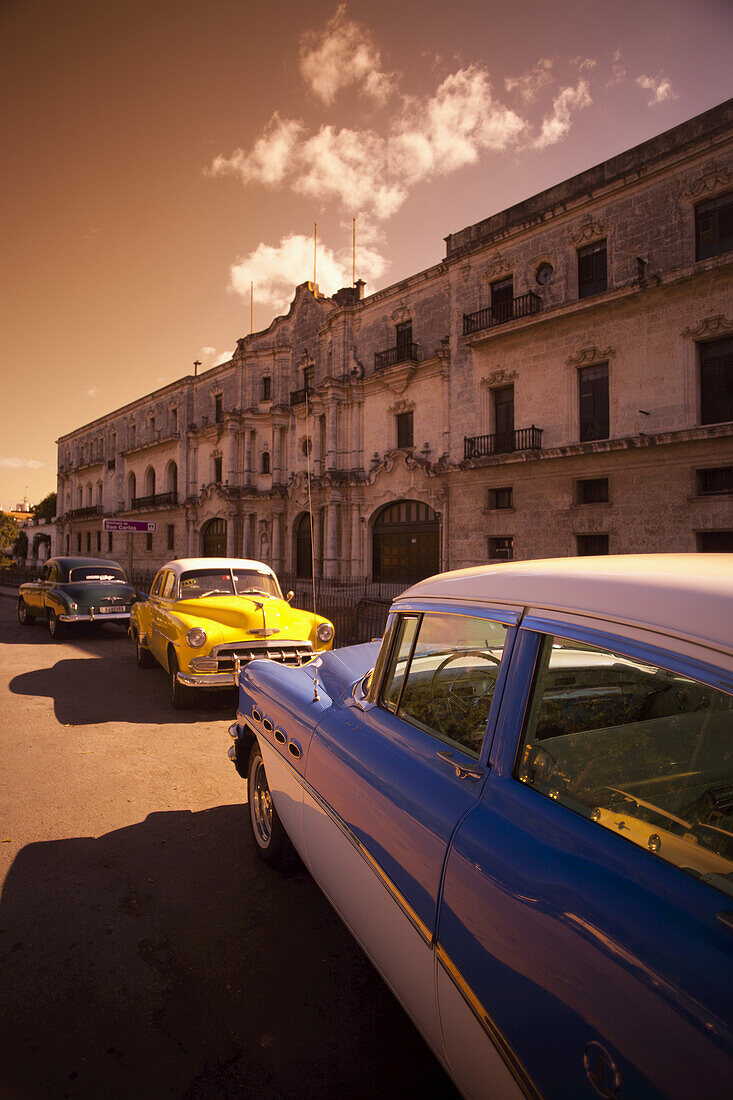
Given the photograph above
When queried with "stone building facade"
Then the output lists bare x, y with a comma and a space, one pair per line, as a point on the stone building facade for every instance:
561, 383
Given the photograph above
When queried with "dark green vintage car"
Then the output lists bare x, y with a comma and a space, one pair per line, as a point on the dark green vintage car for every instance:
76, 590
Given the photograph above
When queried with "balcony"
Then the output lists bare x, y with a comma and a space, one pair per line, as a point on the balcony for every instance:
524, 306
403, 353
502, 443
155, 500
89, 512
297, 397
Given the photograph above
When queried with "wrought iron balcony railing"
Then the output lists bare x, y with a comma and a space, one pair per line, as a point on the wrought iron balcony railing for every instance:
297, 397
523, 306
154, 500
403, 353
89, 512
501, 443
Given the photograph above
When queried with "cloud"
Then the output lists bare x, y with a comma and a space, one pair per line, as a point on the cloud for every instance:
556, 125
270, 158
21, 464
618, 72
531, 83
212, 358
660, 88
341, 54
93, 391
275, 270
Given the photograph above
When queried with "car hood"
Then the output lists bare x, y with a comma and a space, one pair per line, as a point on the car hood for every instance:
241, 613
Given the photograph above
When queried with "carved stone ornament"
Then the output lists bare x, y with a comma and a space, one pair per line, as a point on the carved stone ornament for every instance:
589, 355
498, 377
497, 266
585, 231
715, 178
401, 315
401, 407
710, 326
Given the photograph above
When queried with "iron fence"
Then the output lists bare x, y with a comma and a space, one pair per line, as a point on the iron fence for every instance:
524, 306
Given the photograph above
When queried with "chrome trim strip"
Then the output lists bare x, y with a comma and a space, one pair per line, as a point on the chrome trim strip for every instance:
507, 1053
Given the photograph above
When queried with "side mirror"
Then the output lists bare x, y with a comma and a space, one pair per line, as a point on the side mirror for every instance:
361, 690
289, 595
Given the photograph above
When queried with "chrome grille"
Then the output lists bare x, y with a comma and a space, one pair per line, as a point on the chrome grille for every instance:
286, 652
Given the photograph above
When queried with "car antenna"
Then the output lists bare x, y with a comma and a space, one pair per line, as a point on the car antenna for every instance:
316, 697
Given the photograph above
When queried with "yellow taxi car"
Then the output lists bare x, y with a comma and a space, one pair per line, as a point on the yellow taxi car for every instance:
205, 617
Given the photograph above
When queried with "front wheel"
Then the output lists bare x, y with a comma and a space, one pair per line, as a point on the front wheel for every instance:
24, 616
181, 695
271, 841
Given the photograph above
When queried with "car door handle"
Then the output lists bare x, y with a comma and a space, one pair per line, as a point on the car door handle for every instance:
462, 771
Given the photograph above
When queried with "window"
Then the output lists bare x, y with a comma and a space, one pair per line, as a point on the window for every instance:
501, 498
152, 425
716, 381
170, 536
149, 541
636, 749
591, 544
308, 374
404, 429
715, 479
501, 548
715, 542
442, 675
89, 542
266, 387
592, 276
403, 334
592, 490
265, 468
169, 583
502, 299
109, 542
132, 435
217, 469
157, 584
78, 541
99, 541
593, 397
218, 410
503, 399
714, 227
174, 420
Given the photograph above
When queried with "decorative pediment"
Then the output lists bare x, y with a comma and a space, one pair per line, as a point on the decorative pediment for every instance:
401, 315
401, 407
498, 377
714, 179
498, 266
714, 325
589, 355
586, 230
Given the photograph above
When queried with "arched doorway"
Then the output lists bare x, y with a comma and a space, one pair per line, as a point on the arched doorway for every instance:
303, 554
405, 542
214, 539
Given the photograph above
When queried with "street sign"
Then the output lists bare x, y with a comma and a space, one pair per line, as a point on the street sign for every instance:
130, 526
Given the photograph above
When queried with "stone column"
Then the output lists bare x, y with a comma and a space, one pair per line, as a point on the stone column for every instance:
230, 456
330, 558
277, 477
331, 435
231, 535
318, 543
356, 554
248, 443
357, 462
191, 537
276, 545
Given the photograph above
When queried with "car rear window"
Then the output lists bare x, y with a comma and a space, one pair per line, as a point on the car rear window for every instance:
96, 573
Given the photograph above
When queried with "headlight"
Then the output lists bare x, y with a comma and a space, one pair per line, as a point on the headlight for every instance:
324, 632
196, 637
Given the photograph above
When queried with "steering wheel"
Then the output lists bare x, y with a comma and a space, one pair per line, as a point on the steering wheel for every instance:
460, 697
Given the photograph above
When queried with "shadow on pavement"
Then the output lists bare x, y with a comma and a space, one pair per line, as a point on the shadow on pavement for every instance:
91, 691
164, 960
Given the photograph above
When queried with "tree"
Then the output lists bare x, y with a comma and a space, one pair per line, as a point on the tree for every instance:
8, 532
20, 546
46, 509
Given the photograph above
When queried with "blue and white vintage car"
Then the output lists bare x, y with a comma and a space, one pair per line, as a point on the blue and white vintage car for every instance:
521, 805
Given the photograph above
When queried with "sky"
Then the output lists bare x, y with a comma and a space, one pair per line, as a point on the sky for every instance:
160, 156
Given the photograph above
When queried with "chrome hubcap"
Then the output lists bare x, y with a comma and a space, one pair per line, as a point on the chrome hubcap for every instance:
261, 804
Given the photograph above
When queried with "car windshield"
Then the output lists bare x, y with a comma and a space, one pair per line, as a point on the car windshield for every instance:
197, 583
96, 573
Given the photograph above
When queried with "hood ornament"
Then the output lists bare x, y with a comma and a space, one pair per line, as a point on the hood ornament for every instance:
263, 631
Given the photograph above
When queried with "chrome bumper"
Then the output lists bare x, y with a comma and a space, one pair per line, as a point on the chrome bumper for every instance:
208, 679
115, 617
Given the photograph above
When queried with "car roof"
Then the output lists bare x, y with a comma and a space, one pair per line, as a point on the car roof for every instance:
684, 595
182, 565
74, 563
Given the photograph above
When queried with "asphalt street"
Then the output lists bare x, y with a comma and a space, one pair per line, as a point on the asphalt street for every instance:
145, 951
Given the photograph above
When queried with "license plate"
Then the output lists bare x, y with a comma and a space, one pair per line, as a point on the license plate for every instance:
111, 610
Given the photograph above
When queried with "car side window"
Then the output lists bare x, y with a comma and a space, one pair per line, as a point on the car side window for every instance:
157, 584
168, 584
640, 750
443, 674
